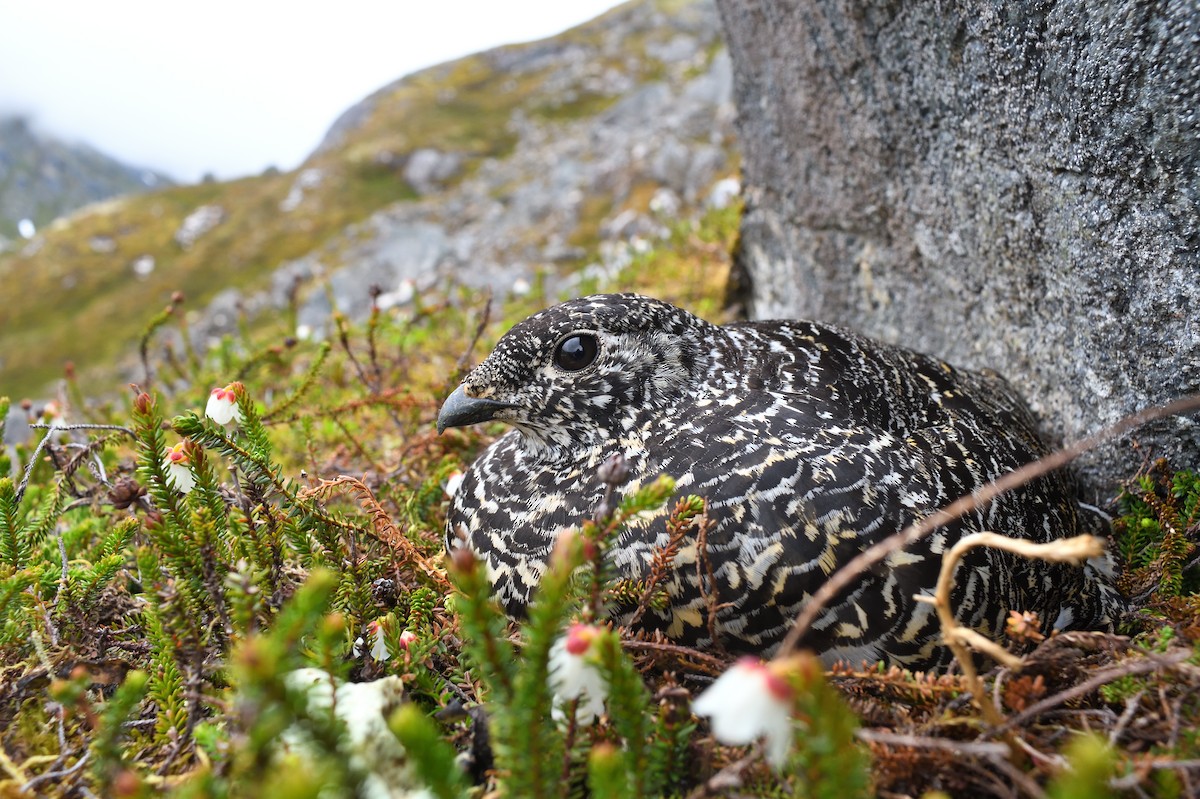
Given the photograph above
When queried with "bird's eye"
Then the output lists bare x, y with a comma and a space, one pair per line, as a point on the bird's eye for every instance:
576, 352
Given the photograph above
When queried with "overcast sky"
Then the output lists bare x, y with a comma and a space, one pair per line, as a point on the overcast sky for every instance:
233, 86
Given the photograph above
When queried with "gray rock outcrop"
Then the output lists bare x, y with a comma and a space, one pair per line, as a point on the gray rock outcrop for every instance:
1010, 185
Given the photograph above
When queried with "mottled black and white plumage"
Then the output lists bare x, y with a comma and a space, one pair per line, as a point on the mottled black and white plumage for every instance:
809, 442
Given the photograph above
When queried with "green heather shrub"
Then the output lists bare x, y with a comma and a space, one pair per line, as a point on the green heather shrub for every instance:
289, 626
169, 611
1157, 531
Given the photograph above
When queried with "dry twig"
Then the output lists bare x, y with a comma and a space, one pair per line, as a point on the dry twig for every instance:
460, 368
1130, 668
678, 650
381, 525
959, 638
664, 556
975, 749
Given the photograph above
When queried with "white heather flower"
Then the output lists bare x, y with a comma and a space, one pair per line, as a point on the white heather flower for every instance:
364, 708
379, 649
573, 675
179, 468
747, 702
453, 483
52, 415
222, 405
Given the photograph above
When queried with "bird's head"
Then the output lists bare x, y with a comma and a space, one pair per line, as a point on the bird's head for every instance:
585, 372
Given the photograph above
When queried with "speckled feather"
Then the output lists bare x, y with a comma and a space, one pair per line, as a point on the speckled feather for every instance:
809, 442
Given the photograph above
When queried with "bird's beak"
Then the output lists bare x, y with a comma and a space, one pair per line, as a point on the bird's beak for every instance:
459, 410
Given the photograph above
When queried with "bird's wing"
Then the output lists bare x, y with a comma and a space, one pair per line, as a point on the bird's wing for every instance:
793, 501
844, 377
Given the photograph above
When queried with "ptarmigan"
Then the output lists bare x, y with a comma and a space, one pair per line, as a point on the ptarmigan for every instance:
809, 442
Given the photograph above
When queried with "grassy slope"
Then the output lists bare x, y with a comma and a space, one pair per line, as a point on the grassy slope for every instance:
66, 302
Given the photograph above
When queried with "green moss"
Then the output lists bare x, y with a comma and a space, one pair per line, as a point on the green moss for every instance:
584, 105
594, 209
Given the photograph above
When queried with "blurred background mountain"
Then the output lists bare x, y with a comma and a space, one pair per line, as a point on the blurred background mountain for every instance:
542, 167
42, 178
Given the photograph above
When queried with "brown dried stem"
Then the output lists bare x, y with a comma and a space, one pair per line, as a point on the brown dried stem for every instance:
719, 664
381, 525
664, 556
961, 639
975, 749
707, 582
1131, 668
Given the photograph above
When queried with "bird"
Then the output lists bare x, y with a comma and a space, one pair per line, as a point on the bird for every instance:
807, 441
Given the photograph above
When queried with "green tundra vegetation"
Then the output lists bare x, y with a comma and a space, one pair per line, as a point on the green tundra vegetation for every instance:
157, 642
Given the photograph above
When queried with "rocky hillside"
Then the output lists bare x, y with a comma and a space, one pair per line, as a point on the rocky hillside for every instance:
528, 168
42, 178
